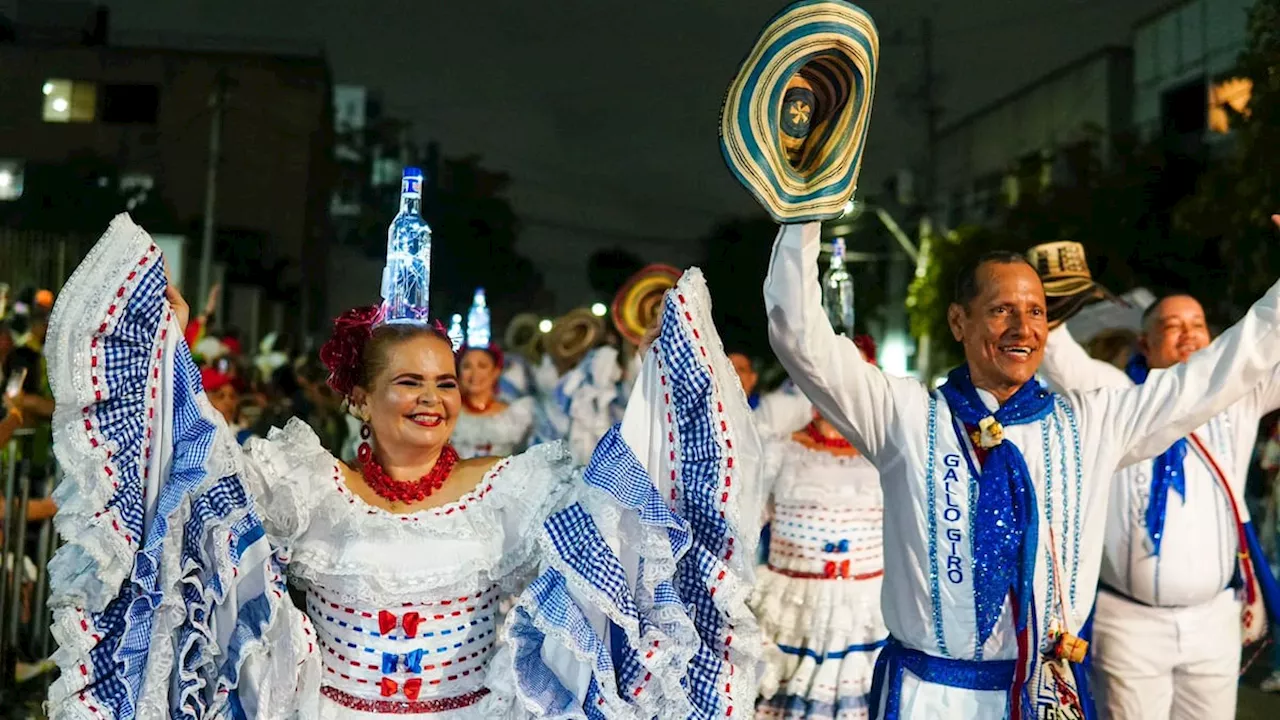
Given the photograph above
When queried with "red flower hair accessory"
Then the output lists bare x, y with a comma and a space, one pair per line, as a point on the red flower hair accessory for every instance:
343, 352
867, 345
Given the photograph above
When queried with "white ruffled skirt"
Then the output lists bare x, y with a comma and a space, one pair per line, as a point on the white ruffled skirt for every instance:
822, 637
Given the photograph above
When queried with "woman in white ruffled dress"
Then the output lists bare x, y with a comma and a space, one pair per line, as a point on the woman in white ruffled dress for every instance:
170, 596
488, 426
818, 598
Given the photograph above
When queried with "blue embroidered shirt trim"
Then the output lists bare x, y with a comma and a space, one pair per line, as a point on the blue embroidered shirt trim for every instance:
1006, 530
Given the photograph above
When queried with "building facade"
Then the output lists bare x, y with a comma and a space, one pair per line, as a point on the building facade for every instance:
1018, 144
1183, 58
147, 114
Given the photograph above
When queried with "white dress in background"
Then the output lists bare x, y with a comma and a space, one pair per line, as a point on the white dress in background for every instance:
818, 598
500, 434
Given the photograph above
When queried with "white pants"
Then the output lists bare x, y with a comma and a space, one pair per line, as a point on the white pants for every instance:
1166, 663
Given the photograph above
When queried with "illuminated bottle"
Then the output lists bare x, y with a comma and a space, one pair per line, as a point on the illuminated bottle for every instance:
455, 331
406, 279
837, 291
478, 321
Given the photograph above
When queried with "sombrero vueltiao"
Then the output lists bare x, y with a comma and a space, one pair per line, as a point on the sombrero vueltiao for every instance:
795, 118
572, 335
1068, 284
639, 301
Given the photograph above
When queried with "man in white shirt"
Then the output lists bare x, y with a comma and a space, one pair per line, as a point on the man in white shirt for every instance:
1167, 631
995, 490
778, 413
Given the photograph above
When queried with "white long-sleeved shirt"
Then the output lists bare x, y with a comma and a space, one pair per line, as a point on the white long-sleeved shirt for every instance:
907, 431
782, 412
1198, 550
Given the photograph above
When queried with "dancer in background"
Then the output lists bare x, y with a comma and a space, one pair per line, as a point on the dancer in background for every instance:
778, 413
818, 597
1167, 626
487, 425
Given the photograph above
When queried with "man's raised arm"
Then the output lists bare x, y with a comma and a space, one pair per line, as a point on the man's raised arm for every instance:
1068, 367
1145, 419
853, 395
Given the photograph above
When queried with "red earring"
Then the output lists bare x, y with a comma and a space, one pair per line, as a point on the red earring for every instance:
364, 453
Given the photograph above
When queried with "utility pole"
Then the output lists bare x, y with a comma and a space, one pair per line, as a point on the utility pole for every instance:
217, 104
931, 113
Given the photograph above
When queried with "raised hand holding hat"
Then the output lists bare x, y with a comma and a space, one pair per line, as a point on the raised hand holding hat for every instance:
795, 118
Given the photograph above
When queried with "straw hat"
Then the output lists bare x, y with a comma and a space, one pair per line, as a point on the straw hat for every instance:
795, 118
572, 335
639, 301
1068, 284
522, 335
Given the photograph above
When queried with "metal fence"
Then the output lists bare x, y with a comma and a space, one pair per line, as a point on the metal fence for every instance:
26, 642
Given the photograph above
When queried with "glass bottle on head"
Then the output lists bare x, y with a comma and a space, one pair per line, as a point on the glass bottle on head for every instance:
406, 279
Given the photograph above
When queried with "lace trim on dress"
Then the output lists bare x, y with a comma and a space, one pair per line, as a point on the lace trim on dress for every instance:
142, 450
300, 489
671, 575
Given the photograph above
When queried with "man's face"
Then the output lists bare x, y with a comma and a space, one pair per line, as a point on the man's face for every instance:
1175, 329
1004, 328
746, 374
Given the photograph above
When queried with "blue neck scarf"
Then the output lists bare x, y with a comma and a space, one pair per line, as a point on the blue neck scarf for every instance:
1006, 526
1167, 469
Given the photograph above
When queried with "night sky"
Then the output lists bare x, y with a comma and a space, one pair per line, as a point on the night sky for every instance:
605, 112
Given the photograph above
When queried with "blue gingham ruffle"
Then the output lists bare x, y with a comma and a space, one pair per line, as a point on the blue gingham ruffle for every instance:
640, 610
166, 584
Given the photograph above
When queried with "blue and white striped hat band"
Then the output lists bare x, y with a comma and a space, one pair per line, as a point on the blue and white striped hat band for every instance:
795, 118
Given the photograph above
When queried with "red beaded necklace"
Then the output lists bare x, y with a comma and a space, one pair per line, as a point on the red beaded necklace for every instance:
409, 492
835, 443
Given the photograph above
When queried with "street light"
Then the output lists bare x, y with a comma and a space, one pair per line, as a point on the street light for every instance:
544, 326
599, 310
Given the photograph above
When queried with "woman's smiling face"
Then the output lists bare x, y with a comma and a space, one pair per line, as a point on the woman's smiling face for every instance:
413, 400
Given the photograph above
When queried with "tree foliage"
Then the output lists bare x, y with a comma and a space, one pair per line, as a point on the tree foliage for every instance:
474, 231
1118, 205
1230, 211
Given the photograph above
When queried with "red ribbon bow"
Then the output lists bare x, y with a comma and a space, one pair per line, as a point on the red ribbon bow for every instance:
412, 687
833, 569
389, 687
387, 622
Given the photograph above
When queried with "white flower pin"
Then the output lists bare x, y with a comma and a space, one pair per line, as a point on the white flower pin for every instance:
992, 433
